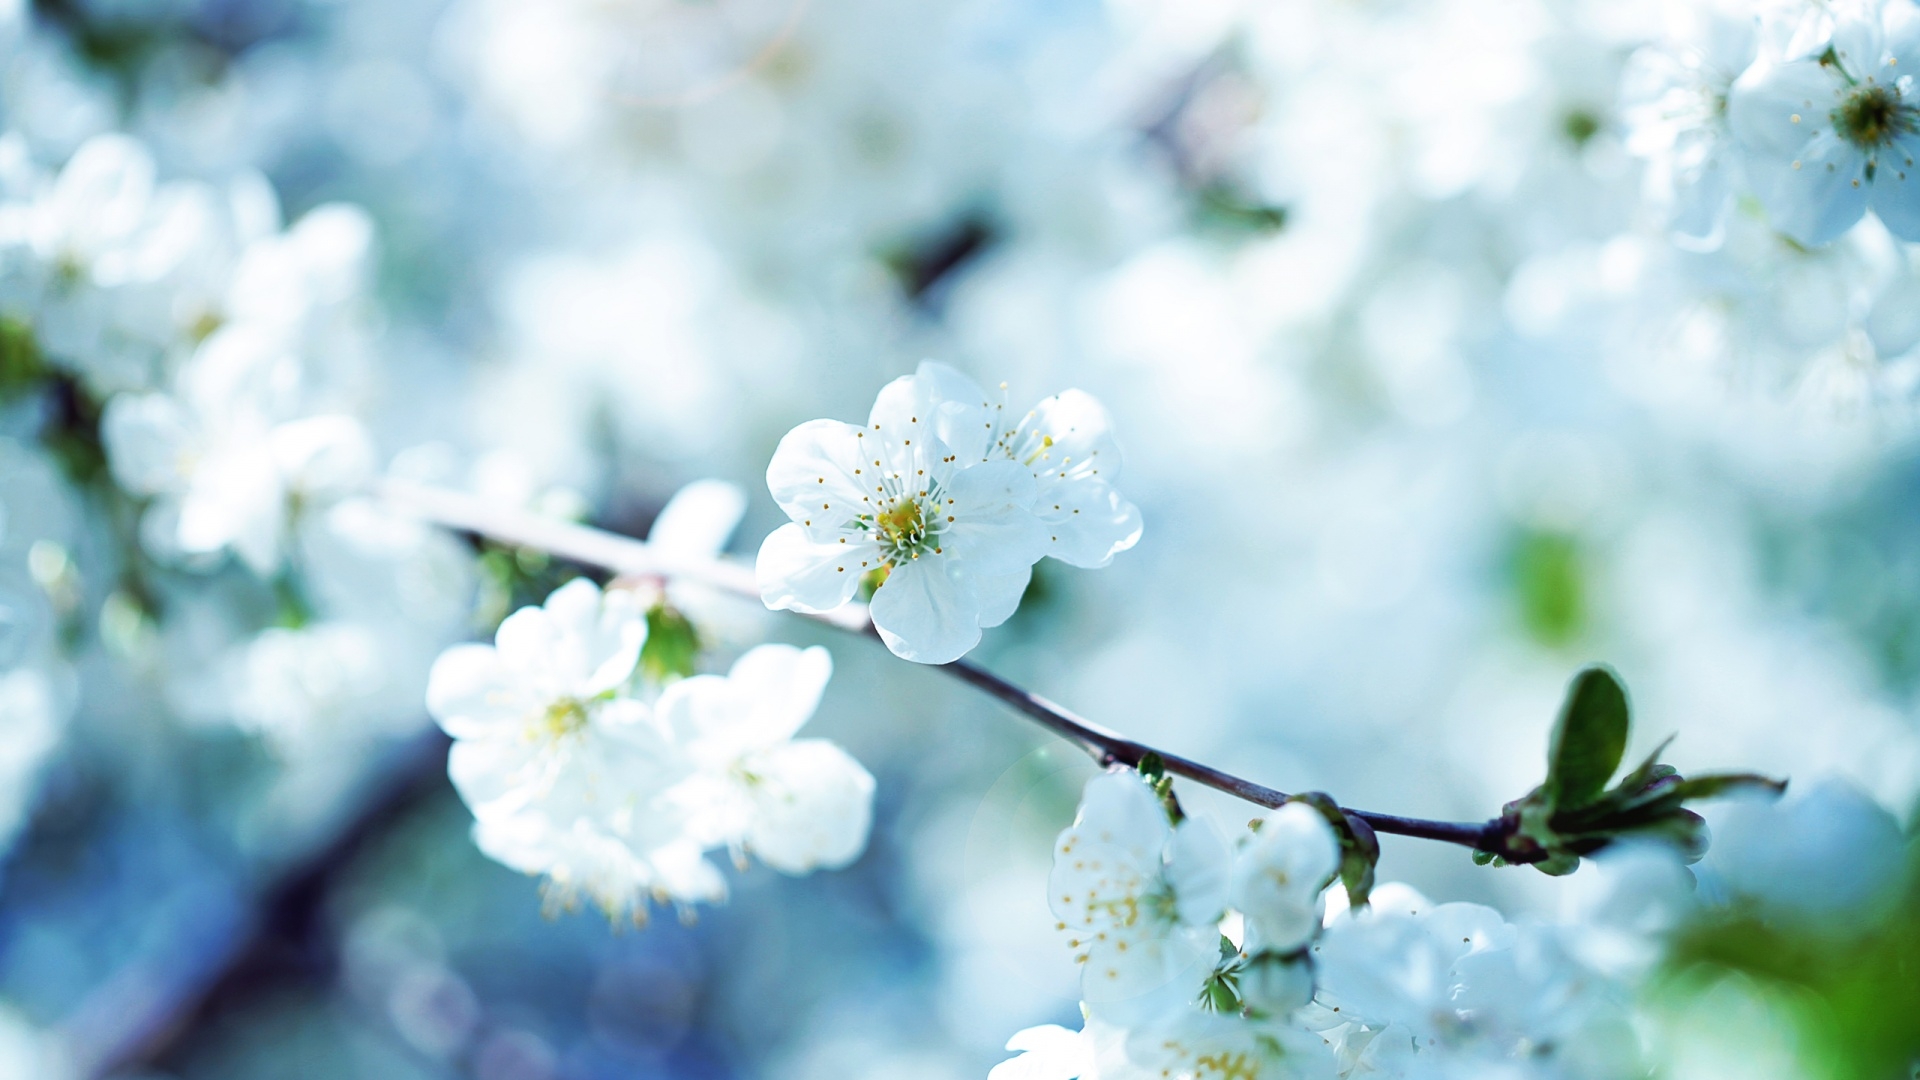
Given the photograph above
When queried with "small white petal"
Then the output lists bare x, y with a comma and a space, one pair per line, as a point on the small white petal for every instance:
472, 695
813, 807
697, 522
819, 475
797, 574
923, 615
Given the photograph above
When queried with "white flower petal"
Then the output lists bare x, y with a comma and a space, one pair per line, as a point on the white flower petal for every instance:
472, 695
798, 574
1819, 194
323, 455
1198, 867
996, 597
965, 415
1765, 101
813, 807
150, 443
1900, 20
697, 522
994, 529
1896, 188
1087, 522
1047, 1052
819, 475
1070, 432
492, 775
923, 615
533, 646
783, 685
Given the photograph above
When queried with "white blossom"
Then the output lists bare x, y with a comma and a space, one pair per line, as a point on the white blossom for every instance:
1278, 876
1831, 133
226, 472
954, 540
1141, 898
1454, 990
561, 772
798, 805
1674, 100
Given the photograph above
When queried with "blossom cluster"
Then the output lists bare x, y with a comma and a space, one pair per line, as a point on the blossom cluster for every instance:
942, 502
185, 370
1811, 110
574, 773
1401, 986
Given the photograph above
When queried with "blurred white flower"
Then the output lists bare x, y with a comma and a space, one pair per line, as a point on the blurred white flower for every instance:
562, 774
1453, 989
1829, 134
29, 1052
1049, 1052
1275, 986
954, 540
1674, 101
1142, 898
1826, 851
288, 683
1195, 1045
225, 471
798, 805
1278, 876
29, 732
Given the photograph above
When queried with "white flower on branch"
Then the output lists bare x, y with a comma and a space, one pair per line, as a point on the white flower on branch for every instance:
1141, 897
798, 805
946, 502
954, 541
561, 772
571, 777
1278, 877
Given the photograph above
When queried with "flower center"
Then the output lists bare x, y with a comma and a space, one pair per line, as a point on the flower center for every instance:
903, 527
903, 524
1872, 115
563, 718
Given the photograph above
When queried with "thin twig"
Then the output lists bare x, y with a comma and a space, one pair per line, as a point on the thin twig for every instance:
626, 556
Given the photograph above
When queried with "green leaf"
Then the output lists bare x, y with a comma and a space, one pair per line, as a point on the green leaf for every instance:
1715, 784
1153, 768
1683, 829
1359, 854
1559, 864
1649, 770
1588, 739
673, 645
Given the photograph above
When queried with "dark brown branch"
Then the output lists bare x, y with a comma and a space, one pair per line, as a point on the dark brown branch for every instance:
1108, 748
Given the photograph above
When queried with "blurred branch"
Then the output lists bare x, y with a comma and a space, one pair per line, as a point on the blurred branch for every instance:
141, 1016
626, 556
